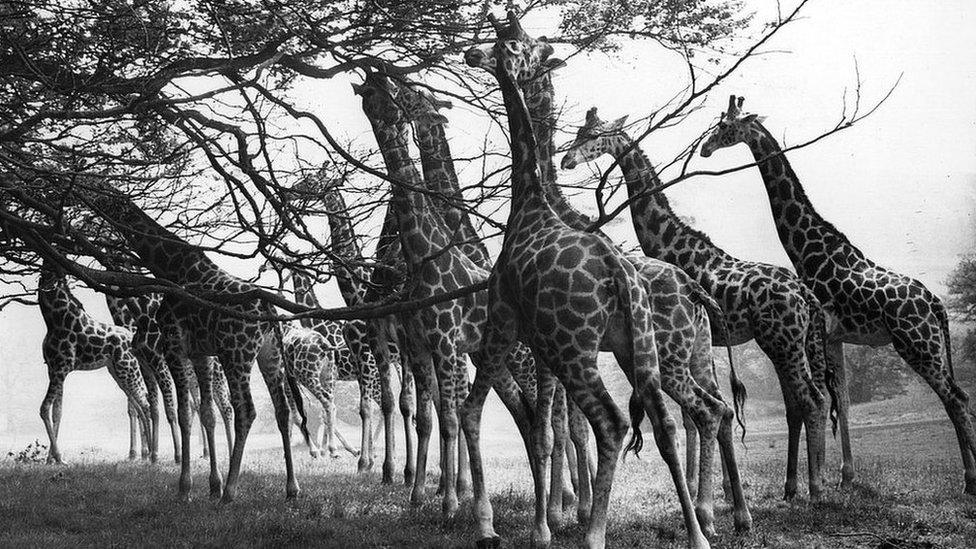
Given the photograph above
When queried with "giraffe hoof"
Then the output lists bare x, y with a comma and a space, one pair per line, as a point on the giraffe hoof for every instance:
742, 521
488, 543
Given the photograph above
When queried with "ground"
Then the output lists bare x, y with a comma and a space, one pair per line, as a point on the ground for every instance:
908, 492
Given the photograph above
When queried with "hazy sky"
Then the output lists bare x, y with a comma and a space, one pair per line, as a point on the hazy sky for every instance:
901, 184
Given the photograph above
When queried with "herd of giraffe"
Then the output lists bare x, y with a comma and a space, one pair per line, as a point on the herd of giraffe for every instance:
557, 294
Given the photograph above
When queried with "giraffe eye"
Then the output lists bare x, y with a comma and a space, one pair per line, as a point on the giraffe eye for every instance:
514, 47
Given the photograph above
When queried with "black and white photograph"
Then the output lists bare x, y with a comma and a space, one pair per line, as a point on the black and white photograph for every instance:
483, 273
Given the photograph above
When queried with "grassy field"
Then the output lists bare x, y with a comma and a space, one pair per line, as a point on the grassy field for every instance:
908, 494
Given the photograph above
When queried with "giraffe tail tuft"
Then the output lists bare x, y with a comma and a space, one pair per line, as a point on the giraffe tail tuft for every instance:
636, 408
819, 317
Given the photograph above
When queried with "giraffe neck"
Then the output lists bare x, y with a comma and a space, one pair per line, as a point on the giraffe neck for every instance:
528, 190
305, 295
58, 306
539, 95
118, 308
165, 254
661, 233
346, 245
802, 231
420, 228
439, 173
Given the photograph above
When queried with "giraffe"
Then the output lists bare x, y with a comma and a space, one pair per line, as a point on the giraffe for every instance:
351, 280
198, 333
871, 304
567, 294
128, 313
420, 108
320, 375
681, 318
438, 336
763, 302
76, 341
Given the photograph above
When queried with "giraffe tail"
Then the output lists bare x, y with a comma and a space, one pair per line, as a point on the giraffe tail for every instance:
819, 318
296, 392
717, 316
639, 325
636, 409
943, 314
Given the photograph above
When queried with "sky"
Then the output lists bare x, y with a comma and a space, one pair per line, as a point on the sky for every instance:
900, 184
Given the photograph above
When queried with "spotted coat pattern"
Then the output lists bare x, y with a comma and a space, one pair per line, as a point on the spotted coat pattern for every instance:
567, 294
680, 324
439, 335
871, 304
195, 332
763, 302
76, 341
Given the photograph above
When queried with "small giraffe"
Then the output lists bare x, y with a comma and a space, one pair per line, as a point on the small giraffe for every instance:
872, 305
763, 302
198, 333
438, 336
567, 294
76, 341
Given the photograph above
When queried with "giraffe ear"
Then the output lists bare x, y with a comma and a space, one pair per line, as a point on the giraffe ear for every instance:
554, 63
432, 118
357, 89
442, 104
750, 118
618, 123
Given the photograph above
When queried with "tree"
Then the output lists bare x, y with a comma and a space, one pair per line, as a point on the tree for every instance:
191, 113
875, 373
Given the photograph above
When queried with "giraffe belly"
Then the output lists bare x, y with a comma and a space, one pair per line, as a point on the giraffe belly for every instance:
872, 334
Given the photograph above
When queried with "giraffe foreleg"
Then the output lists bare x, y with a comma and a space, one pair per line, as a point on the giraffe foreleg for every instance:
134, 434
542, 451
152, 392
270, 365
183, 380
166, 386
579, 433
445, 362
55, 389
556, 489
794, 423
835, 360
461, 388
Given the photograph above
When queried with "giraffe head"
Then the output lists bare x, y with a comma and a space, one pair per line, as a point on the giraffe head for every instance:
380, 99
52, 279
420, 106
520, 55
594, 138
733, 127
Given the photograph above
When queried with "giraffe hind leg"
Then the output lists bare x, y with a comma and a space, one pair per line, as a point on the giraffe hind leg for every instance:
203, 368
55, 390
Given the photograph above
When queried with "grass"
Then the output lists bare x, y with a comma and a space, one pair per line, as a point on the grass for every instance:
908, 494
